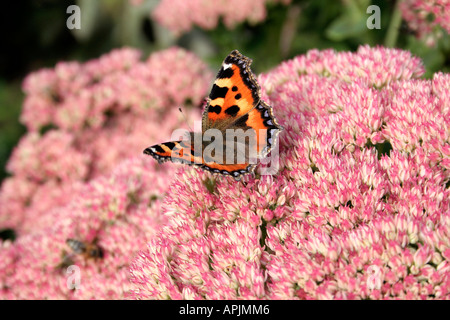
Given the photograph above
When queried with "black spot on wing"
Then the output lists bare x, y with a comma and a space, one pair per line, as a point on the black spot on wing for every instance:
243, 63
234, 89
218, 92
238, 96
159, 153
233, 110
194, 153
216, 109
227, 73
170, 145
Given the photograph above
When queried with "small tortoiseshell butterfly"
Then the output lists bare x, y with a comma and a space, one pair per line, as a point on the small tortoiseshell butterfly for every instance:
238, 120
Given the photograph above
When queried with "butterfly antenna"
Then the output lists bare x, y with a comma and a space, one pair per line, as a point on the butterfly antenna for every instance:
185, 119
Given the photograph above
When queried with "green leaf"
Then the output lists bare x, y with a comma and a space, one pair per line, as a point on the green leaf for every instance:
352, 22
344, 28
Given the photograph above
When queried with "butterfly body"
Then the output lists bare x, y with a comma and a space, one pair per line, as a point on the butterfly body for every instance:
237, 126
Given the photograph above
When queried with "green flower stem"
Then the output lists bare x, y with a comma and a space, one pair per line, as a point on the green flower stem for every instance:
394, 26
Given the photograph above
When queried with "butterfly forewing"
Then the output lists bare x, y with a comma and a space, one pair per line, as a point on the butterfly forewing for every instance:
235, 106
234, 93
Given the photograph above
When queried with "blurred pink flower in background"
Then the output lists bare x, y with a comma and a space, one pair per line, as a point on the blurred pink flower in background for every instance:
83, 119
359, 208
121, 210
181, 16
427, 18
80, 173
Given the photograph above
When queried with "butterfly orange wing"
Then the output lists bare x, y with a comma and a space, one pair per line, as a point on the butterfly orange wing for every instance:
234, 92
235, 103
175, 151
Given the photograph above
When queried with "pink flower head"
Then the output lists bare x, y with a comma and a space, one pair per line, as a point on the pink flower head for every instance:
119, 213
181, 16
90, 117
427, 18
358, 209
351, 214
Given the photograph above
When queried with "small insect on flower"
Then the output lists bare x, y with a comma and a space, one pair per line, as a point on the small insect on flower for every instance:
87, 250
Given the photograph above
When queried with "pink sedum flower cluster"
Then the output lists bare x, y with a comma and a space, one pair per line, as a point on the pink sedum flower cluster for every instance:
181, 16
427, 18
83, 119
79, 172
119, 212
360, 206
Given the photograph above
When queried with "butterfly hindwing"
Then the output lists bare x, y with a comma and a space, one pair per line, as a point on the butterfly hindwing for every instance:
263, 121
175, 151
234, 170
